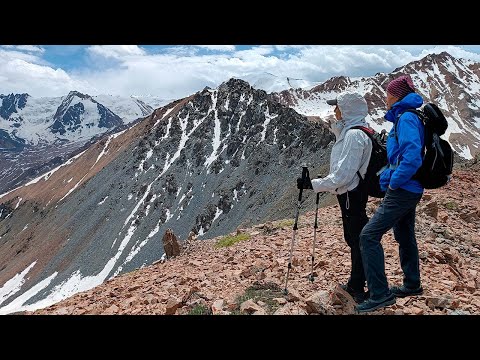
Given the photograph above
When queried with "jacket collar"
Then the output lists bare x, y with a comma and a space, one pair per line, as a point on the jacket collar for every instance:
411, 101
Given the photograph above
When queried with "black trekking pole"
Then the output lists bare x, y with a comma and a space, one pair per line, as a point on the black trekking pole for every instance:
315, 227
295, 227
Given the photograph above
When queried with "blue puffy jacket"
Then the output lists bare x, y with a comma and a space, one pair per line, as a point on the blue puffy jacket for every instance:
408, 150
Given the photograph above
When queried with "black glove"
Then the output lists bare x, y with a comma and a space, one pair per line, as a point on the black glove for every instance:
307, 184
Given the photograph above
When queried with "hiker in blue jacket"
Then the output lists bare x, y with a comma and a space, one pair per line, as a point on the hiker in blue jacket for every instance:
397, 210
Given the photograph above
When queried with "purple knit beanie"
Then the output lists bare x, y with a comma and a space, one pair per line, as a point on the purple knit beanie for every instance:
401, 86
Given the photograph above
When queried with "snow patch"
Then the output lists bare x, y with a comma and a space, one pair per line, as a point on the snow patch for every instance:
46, 176
18, 303
268, 118
18, 203
13, 285
104, 150
169, 216
464, 151
216, 134
181, 199
163, 117
218, 212
136, 249
73, 188
148, 156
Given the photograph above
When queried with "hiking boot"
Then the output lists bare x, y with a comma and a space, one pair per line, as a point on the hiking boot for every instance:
370, 304
358, 296
402, 291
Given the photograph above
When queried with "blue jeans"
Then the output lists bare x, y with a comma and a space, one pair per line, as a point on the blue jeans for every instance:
397, 210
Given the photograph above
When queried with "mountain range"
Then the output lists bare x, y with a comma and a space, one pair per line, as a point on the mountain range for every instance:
453, 84
37, 134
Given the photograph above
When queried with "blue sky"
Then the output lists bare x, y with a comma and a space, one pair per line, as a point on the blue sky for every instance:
176, 71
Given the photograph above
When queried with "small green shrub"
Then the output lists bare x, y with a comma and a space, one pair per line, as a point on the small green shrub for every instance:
199, 310
285, 223
265, 292
231, 240
451, 205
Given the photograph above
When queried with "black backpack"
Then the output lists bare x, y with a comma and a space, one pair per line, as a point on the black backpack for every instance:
437, 162
378, 160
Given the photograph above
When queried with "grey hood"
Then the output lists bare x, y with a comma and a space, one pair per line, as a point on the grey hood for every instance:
354, 109
351, 151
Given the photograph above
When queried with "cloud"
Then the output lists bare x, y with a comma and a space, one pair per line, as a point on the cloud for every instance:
26, 73
255, 52
454, 51
179, 71
218, 47
9, 55
31, 48
115, 51
185, 50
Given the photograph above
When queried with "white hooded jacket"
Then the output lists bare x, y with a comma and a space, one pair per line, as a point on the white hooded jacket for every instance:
352, 149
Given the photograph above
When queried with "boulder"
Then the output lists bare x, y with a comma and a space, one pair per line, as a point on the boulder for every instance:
250, 307
431, 209
343, 299
290, 309
170, 244
318, 303
217, 307
173, 304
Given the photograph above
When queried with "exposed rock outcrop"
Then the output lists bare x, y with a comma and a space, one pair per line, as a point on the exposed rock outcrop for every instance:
170, 244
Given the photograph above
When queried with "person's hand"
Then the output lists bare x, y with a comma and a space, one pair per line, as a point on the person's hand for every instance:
307, 184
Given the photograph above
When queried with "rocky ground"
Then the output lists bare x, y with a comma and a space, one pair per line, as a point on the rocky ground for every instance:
248, 277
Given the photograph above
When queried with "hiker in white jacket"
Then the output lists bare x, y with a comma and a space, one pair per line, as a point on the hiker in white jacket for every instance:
350, 153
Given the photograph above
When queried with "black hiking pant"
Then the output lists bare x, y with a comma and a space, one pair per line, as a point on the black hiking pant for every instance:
354, 216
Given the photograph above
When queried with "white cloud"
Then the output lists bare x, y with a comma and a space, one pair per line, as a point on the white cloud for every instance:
218, 47
184, 50
115, 51
9, 55
255, 52
31, 48
27, 73
454, 51
180, 71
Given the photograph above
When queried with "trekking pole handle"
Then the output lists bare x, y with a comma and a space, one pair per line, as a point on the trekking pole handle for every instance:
304, 177
315, 226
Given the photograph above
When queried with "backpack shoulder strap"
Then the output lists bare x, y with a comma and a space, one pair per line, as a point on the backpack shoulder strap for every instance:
369, 132
366, 130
